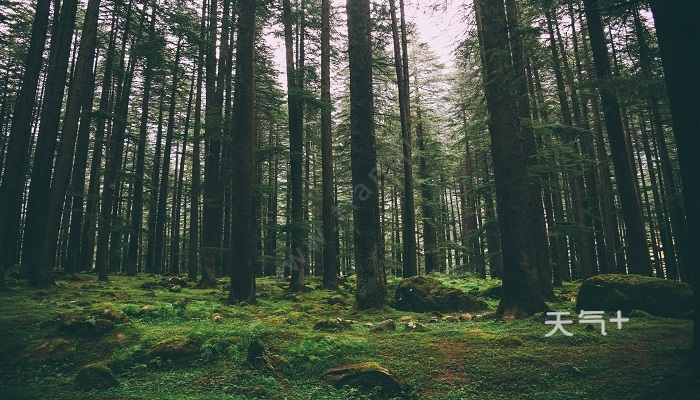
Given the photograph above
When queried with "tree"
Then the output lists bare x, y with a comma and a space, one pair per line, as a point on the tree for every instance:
679, 42
243, 146
365, 197
637, 251
18, 143
330, 245
521, 290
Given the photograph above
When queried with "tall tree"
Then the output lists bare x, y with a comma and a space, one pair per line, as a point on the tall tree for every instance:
637, 252
296, 149
83, 79
521, 290
243, 146
330, 245
679, 42
18, 143
370, 286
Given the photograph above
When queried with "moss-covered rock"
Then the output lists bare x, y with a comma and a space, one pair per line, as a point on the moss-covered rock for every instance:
659, 297
368, 377
333, 325
42, 352
178, 350
422, 293
96, 376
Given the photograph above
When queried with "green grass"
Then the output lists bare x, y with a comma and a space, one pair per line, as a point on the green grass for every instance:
480, 359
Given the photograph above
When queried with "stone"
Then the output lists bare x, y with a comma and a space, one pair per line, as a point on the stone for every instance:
417, 326
42, 352
658, 297
385, 326
369, 325
175, 289
405, 318
178, 349
368, 377
85, 323
434, 320
337, 299
423, 294
217, 317
177, 281
144, 309
465, 317
330, 325
96, 377
449, 318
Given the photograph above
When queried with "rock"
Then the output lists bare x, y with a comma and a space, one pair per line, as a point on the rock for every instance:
385, 326
422, 293
330, 325
85, 323
449, 318
175, 289
636, 313
417, 326
177, 281
337, 299
434, 320
368, 377
612, 292
465, 317
293, 297
115, 315
369, 325
96, 376
493, 292
178, 349
42, 352
405, 318
217, 317
144, 309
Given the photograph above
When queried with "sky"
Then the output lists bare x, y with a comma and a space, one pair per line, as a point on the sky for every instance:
442, 29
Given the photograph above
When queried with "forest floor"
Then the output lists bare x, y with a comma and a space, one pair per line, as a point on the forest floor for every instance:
190, 345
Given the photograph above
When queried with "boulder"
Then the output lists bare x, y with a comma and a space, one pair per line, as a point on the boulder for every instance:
658, 297
175, 289
422, 293
42, 352
368, 377
337, 299
465, 317
90, 323
333, 325
417, 327
385, 326
178, 350
96, 376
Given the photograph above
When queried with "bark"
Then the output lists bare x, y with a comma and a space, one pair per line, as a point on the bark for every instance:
371, 291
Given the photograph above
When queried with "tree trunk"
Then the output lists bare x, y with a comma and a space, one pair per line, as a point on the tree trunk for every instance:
243, 216
522, 295
13, 178
637, 252
39, 188
371, 292
330, 247
679, 38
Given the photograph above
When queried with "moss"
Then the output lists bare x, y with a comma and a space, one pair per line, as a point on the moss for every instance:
423, 293
613, 292
96, 376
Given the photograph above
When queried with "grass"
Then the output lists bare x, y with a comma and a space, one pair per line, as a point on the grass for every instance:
480, 359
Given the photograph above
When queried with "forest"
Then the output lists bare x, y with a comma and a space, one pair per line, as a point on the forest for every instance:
310, 199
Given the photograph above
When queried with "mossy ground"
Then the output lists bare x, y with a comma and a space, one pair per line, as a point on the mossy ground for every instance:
480, 359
